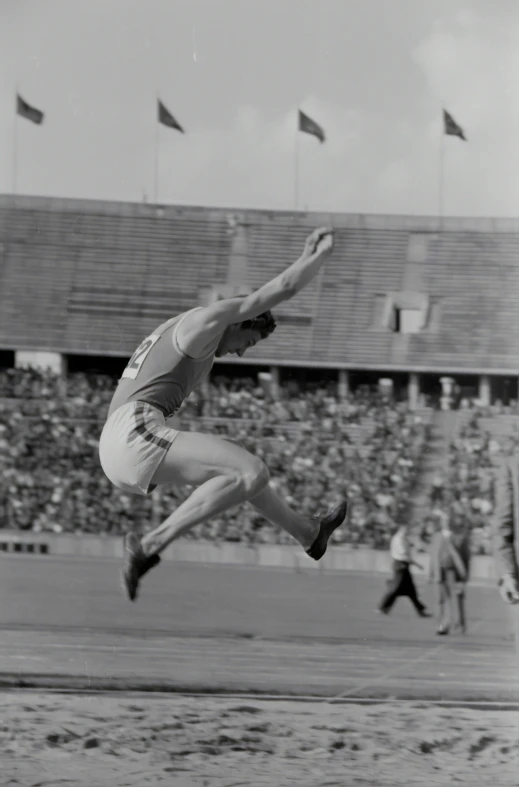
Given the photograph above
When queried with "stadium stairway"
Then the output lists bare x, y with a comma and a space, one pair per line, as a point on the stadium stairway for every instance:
444, 425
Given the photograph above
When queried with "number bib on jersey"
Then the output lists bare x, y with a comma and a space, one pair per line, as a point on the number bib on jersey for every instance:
139, 356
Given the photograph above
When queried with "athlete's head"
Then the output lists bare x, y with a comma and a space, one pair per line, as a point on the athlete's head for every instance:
239, 337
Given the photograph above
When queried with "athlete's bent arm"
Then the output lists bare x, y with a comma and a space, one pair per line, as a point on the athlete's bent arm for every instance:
206, 324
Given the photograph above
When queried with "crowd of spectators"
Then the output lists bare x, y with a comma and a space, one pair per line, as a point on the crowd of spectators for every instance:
465, 491
316, 447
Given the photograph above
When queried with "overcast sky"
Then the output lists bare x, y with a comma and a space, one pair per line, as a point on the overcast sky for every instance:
374, 73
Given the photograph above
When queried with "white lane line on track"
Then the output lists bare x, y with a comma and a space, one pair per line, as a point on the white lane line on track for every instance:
266, 677
348, 667
442, 646
372, 651
313, 659
201, 647
333, 677
450, 667
185, 643
124, 672
265, 680
334, 674
252, 658
240, 697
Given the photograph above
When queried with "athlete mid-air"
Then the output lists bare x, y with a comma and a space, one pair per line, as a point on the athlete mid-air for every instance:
138, 452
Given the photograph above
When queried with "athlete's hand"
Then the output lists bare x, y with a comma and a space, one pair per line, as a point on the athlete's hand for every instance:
319, 243
509, 589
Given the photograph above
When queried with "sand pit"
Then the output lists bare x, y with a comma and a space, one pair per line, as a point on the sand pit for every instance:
93, 741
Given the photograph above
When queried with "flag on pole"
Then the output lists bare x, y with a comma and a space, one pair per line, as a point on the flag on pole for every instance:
167, 119
451, 128
26, 111
309, 126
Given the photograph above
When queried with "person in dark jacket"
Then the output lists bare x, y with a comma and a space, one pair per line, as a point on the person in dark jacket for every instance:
449, 569
505, 530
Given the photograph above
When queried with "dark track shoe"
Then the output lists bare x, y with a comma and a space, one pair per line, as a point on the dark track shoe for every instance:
136, 564
328, 524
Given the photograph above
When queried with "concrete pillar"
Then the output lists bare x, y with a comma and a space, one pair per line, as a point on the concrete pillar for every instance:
269, 381
446, 399
413, 390
344, 384
274, 372
239, 256
38, 359
385, 386
484, 390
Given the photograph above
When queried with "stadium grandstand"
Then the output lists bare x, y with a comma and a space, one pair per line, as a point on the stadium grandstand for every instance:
405, 342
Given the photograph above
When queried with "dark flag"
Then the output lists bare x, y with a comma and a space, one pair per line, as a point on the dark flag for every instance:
167, 119
309, 126
29, 113
451, 128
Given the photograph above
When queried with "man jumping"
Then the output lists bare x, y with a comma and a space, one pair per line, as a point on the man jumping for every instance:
138, 452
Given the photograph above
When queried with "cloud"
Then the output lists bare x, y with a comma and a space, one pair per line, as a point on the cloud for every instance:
251, 160
472, 62
469, 63
383, 161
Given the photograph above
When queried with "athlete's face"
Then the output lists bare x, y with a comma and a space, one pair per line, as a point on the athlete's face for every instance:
236, 340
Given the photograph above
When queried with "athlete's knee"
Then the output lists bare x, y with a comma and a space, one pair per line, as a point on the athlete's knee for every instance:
255, 477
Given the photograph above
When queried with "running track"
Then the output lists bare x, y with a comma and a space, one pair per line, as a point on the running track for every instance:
65, 624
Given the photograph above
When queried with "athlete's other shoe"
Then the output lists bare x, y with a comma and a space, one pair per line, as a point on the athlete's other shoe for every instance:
328, 524
136, 564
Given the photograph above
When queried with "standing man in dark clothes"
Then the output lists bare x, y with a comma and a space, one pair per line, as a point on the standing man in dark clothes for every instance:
402, 583
449, 569
506, 531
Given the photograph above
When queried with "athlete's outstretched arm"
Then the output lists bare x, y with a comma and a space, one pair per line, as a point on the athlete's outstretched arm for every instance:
205, 324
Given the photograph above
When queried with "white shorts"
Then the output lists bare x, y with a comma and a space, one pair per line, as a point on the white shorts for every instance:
133, 443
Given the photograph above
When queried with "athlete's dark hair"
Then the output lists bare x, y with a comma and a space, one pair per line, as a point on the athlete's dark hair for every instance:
264, 323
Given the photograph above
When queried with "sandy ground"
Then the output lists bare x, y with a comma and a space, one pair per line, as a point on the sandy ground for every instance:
94, 741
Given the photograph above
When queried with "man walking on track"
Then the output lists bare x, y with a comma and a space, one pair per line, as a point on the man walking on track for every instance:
449, 569
139, 452
506, 531
402, 583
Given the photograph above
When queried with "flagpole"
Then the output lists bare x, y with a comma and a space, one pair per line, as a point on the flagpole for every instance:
296, 167
15, 143
441, 177
156, 171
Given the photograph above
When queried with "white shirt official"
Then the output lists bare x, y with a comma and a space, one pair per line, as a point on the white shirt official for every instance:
400, 548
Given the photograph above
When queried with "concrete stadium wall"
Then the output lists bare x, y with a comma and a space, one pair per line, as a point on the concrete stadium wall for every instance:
338, 558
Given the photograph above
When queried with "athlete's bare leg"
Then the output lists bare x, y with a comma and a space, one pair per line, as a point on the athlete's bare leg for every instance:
225, 475
274, 508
